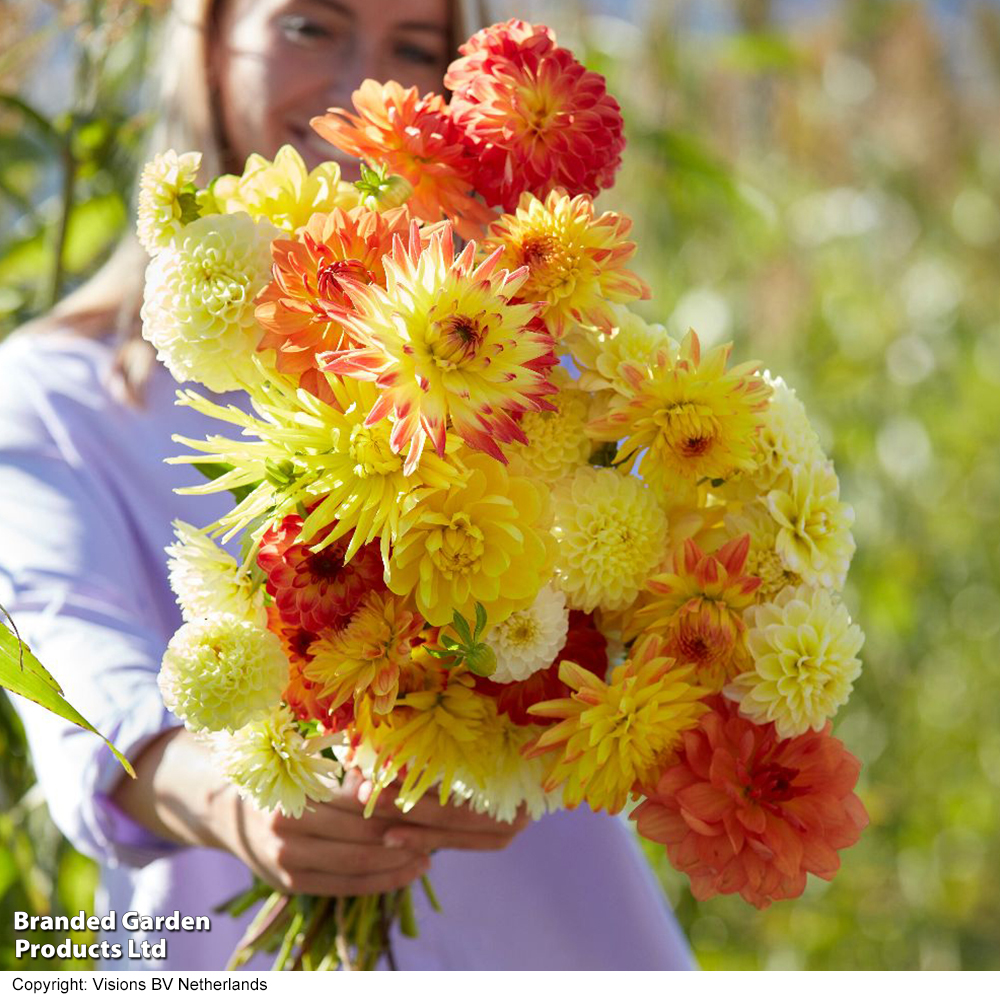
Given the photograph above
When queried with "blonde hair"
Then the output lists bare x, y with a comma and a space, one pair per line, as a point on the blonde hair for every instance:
187, 118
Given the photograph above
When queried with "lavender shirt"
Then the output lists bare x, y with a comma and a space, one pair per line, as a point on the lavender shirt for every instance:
86, 504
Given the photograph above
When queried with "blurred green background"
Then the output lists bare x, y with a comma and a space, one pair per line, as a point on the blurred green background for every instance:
819, 182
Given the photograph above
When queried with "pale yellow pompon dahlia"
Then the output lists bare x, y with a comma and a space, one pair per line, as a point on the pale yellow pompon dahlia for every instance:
167, 199
297, 449
284, 193
599, 353
610, 533
615, 736
484, 540
367, 655
529, 640
271, 763
558, 441
220, 671
785, 439
805, 651
206, 578
685, 418
764, 561
576, 262
814, 527
198, 307
510, 781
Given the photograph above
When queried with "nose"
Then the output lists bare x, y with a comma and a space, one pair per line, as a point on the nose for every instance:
355, 63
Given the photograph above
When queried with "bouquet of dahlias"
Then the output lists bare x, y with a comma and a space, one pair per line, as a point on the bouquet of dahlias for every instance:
502, 541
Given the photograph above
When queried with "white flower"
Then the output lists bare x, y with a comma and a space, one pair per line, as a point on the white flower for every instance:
785, 439
206, 578
220, 671
611, 534
271, 763
529, 640
804, 648
163, 200
198, 308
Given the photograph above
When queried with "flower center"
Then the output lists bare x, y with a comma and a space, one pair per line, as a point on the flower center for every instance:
371, 452
520, 629
329, 275
771, 783
457, 547
454, 339
325, 565
688, 429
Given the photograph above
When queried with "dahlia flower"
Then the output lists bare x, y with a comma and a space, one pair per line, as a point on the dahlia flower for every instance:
599, 353
316, 590
323, 457
611, 534
298, 309
414, 137
698, 609
613, 736
285, 193
367, 654
744, 811
805, 661
576, 262
220, 671
527, 640
535, 118
431, 736
483, 540
814, 527
442, 341
685, 418
512, 781
198, 309
271, 763
785, 439
558, 442
206, 578
584, 645
763, 560
167, 199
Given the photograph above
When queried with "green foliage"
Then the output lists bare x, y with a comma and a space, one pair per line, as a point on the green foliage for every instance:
466, 646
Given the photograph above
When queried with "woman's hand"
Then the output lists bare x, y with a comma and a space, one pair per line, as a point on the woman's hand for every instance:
331, 850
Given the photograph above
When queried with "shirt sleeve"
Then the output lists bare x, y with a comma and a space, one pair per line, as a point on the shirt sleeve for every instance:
71, 578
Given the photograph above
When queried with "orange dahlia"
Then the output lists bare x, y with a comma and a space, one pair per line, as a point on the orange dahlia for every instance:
416, 138
744, 811
298, 308
443, 341
316, 590
698, 609
534, 117
576, 262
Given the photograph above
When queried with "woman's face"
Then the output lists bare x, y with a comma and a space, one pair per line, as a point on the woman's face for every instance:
276, 63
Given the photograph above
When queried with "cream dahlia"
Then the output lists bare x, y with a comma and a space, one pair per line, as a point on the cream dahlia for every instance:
528, 640
167, 199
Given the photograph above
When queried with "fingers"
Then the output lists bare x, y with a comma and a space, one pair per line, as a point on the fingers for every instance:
321, 883
334, 857
427, 839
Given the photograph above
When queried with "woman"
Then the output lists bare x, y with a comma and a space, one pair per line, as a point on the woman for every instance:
86, 505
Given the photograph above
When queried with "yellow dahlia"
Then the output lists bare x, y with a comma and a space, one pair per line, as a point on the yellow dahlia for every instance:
366, 656
511, 781
529, 640
610, 534
685, 418
558, 441
198, 306
617, 735
167, 199
484, 540
698, 609
805, 661
599, 353
786, 438
764, 561
814, 527
576, 262
220, 671
431, 736
271, 763
206, 578
298, 450
443, 342
284, 192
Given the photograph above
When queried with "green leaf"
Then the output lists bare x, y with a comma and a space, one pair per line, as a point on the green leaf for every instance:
21, 673
481, 620
462, 628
